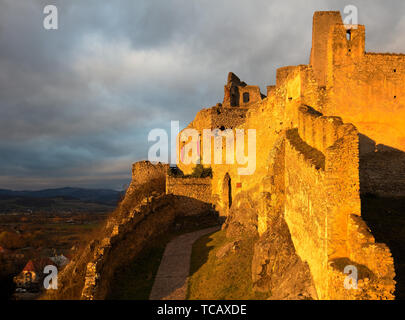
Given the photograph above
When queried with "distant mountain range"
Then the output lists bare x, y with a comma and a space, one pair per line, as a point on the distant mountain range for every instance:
103, 196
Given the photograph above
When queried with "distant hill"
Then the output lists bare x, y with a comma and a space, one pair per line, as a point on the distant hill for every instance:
104, 196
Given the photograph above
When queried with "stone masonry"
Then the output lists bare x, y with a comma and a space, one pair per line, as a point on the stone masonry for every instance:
326, 133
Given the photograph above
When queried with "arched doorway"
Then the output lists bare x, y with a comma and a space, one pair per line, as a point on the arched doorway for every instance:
227, 191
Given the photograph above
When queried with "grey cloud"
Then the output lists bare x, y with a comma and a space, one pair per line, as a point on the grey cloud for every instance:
76, 104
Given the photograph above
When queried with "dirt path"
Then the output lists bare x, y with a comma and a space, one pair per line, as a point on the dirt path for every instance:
172, 277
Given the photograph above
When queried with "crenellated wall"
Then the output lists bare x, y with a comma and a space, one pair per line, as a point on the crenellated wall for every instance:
147, 172
305, 207
322, 208
153, 216
326, 132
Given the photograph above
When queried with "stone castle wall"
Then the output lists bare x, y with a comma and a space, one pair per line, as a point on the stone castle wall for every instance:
145, 172
317, 202
144, 213
312, 166
322, 22
150, 207
194, 195
153, 216
196, 188
305, 206
322, 208
327, 132
365, 88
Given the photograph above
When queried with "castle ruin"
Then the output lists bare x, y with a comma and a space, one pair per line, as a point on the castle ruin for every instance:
327, 133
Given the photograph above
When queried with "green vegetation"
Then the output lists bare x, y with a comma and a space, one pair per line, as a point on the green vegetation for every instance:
175, 172
198, 172
227, 278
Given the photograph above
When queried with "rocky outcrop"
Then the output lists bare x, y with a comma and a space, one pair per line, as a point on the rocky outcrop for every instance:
277, 269
242, 218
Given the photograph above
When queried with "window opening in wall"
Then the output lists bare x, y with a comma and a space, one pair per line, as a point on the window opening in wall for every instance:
246, 97
349, 35
234, 96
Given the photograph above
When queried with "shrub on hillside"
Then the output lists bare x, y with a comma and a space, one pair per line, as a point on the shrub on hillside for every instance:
200, 172
175, 172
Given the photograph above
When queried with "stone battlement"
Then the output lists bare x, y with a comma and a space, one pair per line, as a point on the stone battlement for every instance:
321, 132
310, 168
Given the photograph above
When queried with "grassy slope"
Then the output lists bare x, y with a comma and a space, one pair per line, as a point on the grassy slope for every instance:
135, 280
228, 278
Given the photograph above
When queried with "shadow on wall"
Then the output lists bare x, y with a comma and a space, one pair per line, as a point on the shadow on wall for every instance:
382, 186
186, 206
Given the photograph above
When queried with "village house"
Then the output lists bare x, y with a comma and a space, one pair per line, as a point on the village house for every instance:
32, 275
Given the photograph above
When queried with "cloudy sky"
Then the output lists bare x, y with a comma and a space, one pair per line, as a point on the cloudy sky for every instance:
77, 103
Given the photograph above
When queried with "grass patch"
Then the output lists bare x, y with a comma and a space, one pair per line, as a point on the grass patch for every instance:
228, 278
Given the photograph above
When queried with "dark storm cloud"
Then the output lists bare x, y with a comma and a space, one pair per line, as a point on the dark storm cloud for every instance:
76, 104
